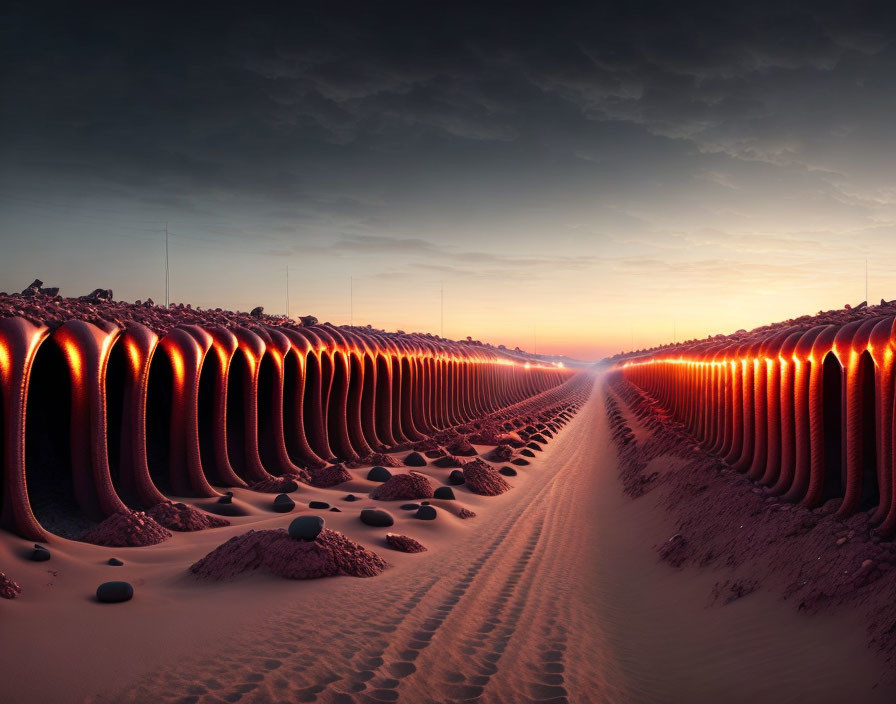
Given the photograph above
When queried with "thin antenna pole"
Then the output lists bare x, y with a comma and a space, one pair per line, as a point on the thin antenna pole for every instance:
287, 290
535, 339
167, 301
442, 318
674, 332
866, 280
351, 300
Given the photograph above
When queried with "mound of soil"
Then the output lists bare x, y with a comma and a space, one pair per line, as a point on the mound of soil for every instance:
10, 590
184, 518
403, 486
483, 479
126, 529
275, 552
331, 475
403, 543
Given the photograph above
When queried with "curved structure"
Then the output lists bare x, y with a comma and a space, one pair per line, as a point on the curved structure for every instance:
117, 415
805, 410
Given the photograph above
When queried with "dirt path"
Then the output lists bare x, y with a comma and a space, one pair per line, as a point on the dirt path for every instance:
558, 596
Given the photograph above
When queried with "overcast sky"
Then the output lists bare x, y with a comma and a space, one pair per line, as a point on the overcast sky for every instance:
593, 177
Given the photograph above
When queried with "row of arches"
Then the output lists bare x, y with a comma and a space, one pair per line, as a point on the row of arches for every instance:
808, 413
98, 418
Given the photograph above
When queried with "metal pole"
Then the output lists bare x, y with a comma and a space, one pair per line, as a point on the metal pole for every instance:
167, 300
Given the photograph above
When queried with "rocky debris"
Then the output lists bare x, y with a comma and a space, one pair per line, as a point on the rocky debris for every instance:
283, 503
328, 476
306, 528
126, 529
114, 592
183, 518
403, 486
276, 552
383, 460
10, 589
39, 553
466, 513
461, 448
456, 477
275, 485
502, 453
444, 492
377, 518
415, 459
379, 474
403, 543
481, 478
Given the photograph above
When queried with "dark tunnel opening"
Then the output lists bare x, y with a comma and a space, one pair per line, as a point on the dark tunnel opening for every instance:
237, 378
832, 416
292, 397
355, 387
48, 464
267, 377
382, 400
312, 395
396, 400
867, 386
159, 396
208, 375
336, 408
368, 408
116, 373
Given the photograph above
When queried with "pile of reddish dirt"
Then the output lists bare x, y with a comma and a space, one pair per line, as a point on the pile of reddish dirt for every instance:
403, 543
481, 478
273, 551
328, 476
403, 486
381, 459
502, 453
278, 485
126, 529
466, 513
461, 448
183, 518
488, 434
10, 590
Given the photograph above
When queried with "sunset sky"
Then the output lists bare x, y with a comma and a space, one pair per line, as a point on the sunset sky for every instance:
595, 177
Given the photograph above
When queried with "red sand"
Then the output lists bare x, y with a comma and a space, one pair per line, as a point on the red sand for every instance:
275, 552
403, 486
9, 589
403, 543
483, 479
126, 529
184, 518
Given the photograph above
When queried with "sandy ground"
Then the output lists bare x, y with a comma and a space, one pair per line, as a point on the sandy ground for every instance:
553, 593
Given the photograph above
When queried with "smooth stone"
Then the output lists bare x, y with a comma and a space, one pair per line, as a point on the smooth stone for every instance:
377, 518
456, 477
306, 528
409, 507
379, 474
115, 562
426, 513
444, 492
227, 498
350, 497
507, 471
283, 503
318, 504
336, 509
114, 592
40, 554
415, 459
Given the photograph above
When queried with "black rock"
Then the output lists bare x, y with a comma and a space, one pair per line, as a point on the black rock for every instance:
409, 507
456, 477
227, 498
377, 518
379, 474
535, 446
115, 562
507, 471
424, 503
350, 497
306, 528
289, 485
538, 437
336, 509
527, 453
257, 311
415, 459
114, 592
318, 504
444, 492
519, 462
426, 513
40, 554
283, 504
